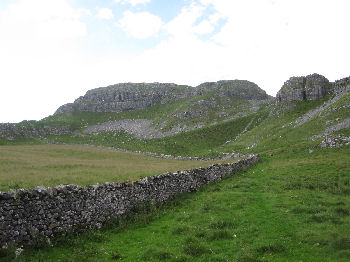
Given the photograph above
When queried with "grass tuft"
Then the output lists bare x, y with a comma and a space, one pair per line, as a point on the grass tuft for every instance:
219, 234
180, 230
271, 249
342, 243
195, 249
116, 255
156, 254
222, 224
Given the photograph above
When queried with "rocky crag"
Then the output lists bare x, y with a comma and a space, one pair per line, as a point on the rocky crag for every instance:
133, 96
200, 106
311, 87
127, 96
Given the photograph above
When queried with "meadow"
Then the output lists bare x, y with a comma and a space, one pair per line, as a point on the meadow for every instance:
286, 208
26, 166
293, 205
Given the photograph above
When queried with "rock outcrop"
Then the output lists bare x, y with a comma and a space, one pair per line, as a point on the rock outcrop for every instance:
342, 85
235, 88
133, 96
127, 96
311, 87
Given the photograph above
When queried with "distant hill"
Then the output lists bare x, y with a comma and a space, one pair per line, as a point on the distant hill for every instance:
133, 96
210, 119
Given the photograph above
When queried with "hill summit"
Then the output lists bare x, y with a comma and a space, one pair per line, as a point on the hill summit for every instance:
133, 96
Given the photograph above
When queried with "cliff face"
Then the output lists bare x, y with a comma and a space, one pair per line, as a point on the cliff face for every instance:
126, 96
132, 96
311, 87
235, 88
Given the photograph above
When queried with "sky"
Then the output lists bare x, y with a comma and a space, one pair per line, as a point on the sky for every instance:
52, 52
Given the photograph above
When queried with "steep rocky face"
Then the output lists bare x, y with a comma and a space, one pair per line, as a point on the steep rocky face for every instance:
316, 87
342, 82
127, 96
235, 88
132, 96
309, 87
342, 85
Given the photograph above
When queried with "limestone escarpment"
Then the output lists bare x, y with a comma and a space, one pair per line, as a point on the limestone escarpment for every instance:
342, 82
342, 85
127, 96
133, 96
235, 88
311, 87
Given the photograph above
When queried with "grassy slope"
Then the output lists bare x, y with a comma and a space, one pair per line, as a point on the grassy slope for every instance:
27, 166
159, 113
194, 143
293, 206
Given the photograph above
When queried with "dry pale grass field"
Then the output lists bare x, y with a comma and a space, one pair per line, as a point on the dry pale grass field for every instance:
28, 166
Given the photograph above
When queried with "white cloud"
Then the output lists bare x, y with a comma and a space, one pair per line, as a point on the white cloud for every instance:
44, 62
205, 27
275, 40
105, 13
40, 18
132, 2
140, 25
183, 24
254, 43
40, 61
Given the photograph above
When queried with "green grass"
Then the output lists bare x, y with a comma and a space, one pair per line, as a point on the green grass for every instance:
270, 135
286, 208
27, 166
292, 206
21, 141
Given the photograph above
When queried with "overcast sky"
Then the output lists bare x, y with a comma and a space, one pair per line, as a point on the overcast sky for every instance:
53, 51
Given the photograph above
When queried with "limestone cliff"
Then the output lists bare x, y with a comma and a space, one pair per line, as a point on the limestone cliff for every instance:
132, 96
126, 96
311, 87
235, 88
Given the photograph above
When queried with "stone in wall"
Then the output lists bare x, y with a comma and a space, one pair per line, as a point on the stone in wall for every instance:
311, 87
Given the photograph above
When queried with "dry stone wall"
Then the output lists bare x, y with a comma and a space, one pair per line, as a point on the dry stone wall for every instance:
14, 131
28, 214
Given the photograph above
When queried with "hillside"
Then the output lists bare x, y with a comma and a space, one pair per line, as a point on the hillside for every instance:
292, 206
156, 109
